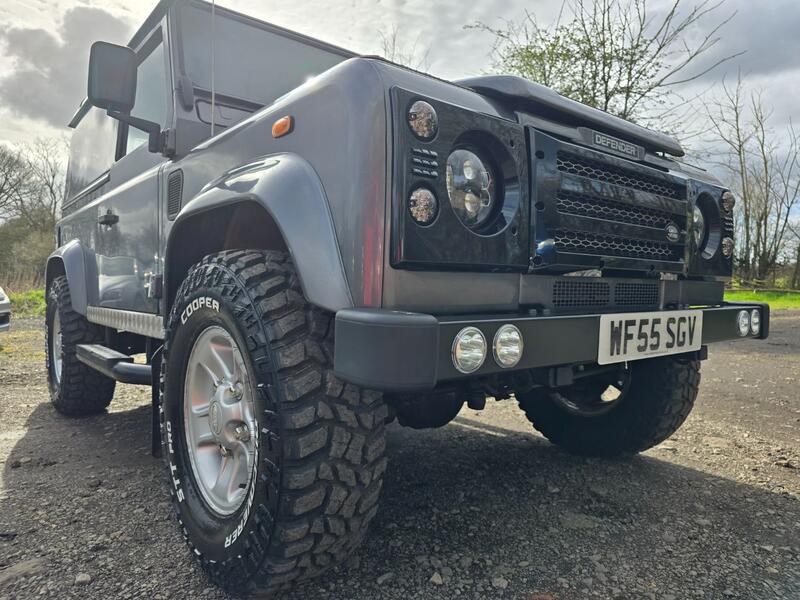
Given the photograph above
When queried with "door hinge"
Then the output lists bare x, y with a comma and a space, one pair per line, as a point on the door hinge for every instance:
153, 285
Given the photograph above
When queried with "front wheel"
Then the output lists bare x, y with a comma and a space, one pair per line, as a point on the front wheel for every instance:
275, 465
618, 412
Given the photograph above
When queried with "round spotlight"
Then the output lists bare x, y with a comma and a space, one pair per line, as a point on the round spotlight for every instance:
469, 350
423, 121
743, 322
755, 321
423, 206
728, 201
508, 346
727, 247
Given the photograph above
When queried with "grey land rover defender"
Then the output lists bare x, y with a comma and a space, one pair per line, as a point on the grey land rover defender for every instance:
306, 244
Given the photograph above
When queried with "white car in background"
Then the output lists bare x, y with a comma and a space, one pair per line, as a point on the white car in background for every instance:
5, 311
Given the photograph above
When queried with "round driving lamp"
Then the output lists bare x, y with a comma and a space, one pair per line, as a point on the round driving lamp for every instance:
469, 350
727, 247
743, 322
423, 206
423, 121
470, 186
755, 321
507, 346
698, 226
728, 201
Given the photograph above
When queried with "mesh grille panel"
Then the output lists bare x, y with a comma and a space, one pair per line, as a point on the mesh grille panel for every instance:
580, 293
586, 167
636, 294
585, 206
593, 243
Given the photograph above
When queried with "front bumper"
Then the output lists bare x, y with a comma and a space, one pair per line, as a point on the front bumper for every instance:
403, 351
5, 315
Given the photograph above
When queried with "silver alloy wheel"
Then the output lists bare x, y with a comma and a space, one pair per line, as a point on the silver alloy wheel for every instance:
219, 423
55, 347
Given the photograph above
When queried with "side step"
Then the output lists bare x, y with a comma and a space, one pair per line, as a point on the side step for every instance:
113, 364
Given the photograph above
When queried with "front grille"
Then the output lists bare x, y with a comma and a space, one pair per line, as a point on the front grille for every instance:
595, 210
582, 242
598, 208
580, 293
636, 294
629, 178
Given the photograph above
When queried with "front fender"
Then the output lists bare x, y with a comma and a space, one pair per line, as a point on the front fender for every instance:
77, 263
290, 191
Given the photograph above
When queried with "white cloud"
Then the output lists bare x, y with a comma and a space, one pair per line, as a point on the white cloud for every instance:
45, 63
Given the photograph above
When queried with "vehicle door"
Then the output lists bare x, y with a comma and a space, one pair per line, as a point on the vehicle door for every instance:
127, 252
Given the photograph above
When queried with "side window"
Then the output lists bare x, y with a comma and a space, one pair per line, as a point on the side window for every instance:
151, 94
91, 151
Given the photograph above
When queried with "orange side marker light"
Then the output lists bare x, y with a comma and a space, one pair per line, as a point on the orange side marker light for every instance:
282, 127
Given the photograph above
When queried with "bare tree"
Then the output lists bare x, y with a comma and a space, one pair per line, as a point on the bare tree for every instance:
13, 177
397, 50
763, 168
32, 182
615, 55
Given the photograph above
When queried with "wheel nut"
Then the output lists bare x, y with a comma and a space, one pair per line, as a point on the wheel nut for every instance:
223, 450
236, 390
242, 433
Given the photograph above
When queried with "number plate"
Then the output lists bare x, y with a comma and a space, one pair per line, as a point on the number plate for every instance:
633, 336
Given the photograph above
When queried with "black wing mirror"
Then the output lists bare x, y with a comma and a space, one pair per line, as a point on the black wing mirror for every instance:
112, 86
112, 77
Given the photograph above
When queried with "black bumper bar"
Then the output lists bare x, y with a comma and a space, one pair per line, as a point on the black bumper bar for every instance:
401, 351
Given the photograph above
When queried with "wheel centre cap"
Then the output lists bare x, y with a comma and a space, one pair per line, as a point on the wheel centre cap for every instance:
215, 418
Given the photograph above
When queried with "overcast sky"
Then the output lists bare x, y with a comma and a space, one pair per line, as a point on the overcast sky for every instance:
44, 44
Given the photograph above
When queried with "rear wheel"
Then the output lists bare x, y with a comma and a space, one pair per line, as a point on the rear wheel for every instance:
75, 388
618, 412
275, 465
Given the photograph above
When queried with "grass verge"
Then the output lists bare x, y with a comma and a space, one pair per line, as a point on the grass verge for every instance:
776, 300
27, 304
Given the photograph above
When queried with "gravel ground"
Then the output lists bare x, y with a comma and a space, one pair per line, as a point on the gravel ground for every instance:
483, 508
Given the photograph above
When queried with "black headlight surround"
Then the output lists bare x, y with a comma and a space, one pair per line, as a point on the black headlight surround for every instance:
710, 244
706, 260
500, 243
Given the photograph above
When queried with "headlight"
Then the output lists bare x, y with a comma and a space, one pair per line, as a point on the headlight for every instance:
469, 350
508, 346
423, 206
470, 186
755, 321
743, 322
698, 226
422, 120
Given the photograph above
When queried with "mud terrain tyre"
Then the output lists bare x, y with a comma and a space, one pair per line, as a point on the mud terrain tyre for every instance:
658, 396
75, 389
318, 444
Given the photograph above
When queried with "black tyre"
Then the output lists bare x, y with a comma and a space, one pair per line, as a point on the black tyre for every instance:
312, 447
622, 413
75, 388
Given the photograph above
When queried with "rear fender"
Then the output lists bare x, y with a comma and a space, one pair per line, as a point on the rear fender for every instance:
77, 263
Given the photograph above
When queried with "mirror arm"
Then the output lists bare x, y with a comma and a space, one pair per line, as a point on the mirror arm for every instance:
152, 129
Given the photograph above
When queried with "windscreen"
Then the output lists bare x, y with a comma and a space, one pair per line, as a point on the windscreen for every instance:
251, 62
